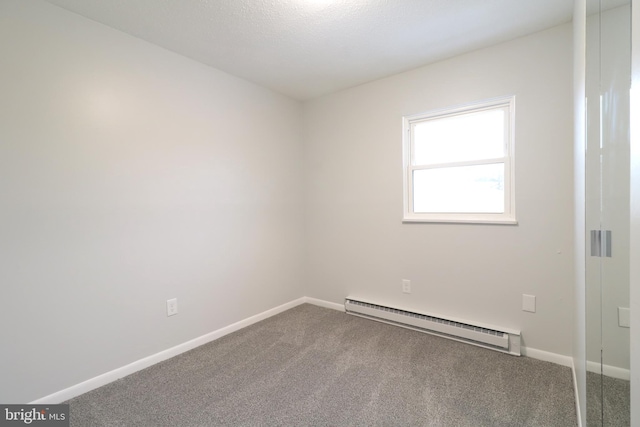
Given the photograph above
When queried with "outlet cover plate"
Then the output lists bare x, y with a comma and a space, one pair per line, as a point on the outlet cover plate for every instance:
172, 306
406, 286
624, 317
529, 303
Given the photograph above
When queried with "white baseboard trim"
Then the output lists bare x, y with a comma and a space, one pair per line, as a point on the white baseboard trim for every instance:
609, 371
558, 359
546, 356
323, 303
575, 392
108, 377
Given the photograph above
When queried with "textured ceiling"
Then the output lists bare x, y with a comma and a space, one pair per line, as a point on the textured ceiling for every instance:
307, 48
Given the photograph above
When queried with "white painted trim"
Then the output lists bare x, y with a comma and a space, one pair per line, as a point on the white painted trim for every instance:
634, 235
325, 304
108, 377
508, 217
411, 219
546, 356
575, 392
609, 371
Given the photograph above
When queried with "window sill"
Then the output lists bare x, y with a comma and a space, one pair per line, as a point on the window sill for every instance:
501, 221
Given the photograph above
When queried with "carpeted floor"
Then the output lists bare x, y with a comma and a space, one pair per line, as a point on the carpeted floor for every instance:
311, 366
616, 410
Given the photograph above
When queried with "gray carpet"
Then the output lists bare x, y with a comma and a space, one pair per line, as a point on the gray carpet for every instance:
616, 410
311, 366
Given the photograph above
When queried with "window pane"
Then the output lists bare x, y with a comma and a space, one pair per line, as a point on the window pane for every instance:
469, 136
463, 189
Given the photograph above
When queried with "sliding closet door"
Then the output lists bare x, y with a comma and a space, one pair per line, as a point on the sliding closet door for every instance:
607, 211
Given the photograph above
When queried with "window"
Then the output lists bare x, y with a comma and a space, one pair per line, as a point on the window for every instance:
458, 164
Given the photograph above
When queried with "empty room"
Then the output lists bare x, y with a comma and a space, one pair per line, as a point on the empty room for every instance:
319, 212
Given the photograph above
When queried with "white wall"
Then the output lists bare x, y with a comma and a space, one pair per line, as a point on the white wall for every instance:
357, 244
130, 175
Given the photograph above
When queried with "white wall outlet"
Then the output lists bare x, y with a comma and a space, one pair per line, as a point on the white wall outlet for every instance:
624, 317
172, 306
406, 286
528, 303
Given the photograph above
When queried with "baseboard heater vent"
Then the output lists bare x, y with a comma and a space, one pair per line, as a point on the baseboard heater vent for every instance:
504, 340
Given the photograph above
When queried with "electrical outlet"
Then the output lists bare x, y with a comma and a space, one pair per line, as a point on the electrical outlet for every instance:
406, 286
172, 306
624, 317
529, 303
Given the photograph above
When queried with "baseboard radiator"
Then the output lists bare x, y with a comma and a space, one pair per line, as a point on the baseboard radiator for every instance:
503, 340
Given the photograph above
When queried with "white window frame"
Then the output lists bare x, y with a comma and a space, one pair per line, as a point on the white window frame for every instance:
509, 214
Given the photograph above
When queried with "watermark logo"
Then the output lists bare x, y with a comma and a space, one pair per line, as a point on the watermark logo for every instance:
34, 415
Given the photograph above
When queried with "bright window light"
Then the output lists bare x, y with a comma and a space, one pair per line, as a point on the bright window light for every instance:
459, 164
471, 136
468, 189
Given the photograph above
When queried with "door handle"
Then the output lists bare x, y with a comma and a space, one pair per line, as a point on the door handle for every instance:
601, 243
